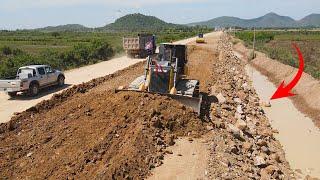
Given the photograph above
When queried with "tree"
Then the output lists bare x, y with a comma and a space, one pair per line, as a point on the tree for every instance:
55, 34
6, 50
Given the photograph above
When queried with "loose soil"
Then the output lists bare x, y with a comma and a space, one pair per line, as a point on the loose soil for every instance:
101, 135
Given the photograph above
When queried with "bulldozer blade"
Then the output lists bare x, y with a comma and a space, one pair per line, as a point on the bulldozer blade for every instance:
194, 103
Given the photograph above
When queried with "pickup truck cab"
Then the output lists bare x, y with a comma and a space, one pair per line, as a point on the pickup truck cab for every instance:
30, 79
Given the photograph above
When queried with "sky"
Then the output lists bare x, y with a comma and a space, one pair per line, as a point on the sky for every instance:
28, 14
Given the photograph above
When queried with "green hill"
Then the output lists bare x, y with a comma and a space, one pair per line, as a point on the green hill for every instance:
139, 22
271, 20
68, 27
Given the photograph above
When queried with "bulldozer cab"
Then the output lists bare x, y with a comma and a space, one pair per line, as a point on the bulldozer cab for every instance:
169, 52
200, 35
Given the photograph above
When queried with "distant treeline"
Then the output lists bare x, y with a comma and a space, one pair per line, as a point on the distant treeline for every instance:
81, 54
278, 45
67, 50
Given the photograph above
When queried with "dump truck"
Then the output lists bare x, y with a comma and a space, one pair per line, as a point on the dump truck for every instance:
141, 46
200, 38
165, 74
30, 79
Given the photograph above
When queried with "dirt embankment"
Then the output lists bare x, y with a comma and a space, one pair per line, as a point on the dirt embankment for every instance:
307, 99
86, 133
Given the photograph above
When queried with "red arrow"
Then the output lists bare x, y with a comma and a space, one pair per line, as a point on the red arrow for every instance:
284, 91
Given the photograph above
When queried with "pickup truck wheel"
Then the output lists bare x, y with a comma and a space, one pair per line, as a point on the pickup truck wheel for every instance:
33, 90
12, 94
61, 81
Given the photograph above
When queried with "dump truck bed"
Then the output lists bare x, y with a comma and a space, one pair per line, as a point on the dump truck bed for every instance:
137, 43
131, 44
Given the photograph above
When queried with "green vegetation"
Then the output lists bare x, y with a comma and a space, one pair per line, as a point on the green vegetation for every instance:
278, 45
140, 22
70, 46
66, 50
79, 55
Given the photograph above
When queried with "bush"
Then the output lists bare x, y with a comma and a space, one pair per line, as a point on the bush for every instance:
6, 50
101, 50
10, 65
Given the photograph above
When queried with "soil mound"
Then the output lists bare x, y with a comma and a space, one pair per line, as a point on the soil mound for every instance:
101, 135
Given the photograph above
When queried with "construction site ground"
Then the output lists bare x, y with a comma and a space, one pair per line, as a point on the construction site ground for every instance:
89, 131
296, 118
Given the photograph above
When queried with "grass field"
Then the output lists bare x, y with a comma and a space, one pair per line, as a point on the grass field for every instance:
34, 42
278, 45
66, 50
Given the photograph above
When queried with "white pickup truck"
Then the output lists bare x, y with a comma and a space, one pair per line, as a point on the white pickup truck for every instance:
30, 79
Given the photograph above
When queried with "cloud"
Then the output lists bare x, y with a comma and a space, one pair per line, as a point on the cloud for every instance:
25, 4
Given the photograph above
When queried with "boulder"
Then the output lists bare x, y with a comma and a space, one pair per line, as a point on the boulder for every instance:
241, 124
259, 161
221, 98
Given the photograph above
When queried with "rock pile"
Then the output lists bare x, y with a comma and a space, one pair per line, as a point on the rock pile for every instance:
243, 145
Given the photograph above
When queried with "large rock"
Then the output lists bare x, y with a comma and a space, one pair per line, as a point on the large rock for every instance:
247, 146
259, 161
239, 109
241, 124
221, 98
236, 132
237, 100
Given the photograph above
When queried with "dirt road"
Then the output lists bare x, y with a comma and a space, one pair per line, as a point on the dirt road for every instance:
297, 133
188, 161
73, 77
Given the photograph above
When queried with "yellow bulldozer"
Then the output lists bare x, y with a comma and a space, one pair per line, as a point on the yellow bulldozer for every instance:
200, 38
165, 75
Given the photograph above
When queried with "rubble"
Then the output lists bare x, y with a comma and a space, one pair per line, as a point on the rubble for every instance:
247, 143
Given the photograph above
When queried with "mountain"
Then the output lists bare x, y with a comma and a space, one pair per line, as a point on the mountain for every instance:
271, 20
224, 21
139, 22
311, 20
68, 27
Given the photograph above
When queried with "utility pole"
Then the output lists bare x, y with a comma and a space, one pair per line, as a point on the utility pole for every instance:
254, 42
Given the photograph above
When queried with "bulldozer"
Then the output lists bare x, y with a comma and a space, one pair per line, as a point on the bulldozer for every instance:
165, 74
200, 38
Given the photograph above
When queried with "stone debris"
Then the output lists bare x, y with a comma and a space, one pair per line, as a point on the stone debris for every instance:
246, 148
221, 98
